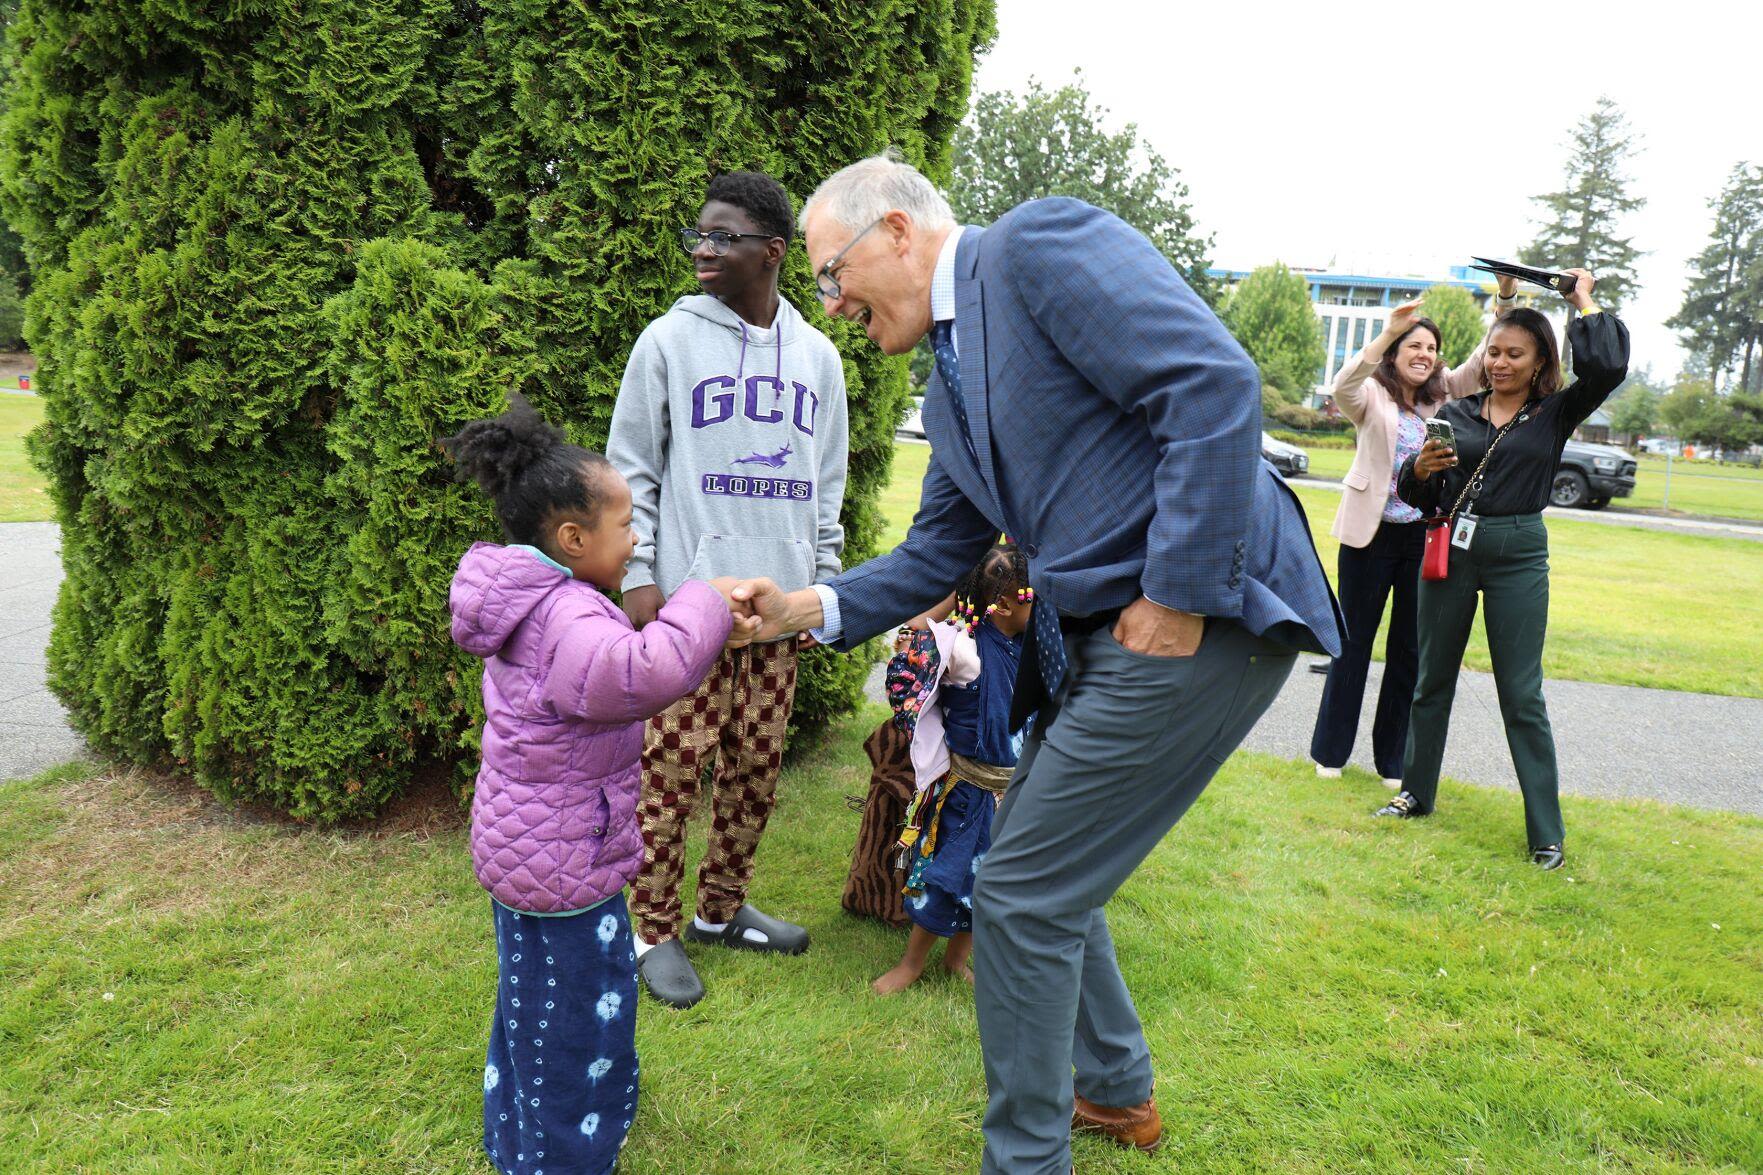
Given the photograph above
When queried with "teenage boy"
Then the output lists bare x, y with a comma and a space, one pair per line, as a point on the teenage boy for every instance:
731, 429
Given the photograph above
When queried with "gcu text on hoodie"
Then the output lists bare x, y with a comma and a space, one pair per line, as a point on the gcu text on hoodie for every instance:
734, 441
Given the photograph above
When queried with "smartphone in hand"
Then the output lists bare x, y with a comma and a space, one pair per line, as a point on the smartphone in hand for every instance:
1441, 431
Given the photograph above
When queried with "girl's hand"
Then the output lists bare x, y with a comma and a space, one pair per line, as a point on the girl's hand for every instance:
742, 632
1581, 297
745, 625
1434, 456
726, 585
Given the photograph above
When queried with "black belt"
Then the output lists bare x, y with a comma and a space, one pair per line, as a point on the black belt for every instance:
1084, 625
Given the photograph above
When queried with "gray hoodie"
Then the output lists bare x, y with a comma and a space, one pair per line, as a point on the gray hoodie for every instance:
734, 441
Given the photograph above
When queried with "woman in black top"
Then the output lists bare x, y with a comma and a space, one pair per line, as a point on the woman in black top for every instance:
1500, 548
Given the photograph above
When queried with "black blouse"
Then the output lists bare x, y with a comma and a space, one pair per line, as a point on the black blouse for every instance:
1522, 471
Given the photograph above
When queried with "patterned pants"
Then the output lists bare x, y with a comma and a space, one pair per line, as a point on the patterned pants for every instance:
560, 1077
738, 716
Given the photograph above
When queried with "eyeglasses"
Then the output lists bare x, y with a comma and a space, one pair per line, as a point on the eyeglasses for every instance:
829, 287
691, 238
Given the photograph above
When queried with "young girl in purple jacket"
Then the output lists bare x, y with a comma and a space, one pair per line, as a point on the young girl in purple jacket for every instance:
567, 686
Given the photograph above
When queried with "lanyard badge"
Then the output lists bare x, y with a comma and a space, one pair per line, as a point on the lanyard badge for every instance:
1464, 532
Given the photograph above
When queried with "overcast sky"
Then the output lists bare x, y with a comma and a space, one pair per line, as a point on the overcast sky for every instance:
1404, 138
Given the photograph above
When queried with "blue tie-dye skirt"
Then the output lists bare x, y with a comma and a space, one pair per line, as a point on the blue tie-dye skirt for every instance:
939, 885
560, 1080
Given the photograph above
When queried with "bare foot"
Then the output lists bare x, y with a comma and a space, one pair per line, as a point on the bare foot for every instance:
955, 956
903, 976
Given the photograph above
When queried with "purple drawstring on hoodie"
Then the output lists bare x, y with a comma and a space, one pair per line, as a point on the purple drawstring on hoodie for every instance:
777, 393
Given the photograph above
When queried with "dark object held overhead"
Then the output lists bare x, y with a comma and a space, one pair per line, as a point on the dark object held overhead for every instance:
1561, 283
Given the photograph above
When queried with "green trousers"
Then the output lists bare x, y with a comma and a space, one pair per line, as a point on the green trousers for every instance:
1507, 564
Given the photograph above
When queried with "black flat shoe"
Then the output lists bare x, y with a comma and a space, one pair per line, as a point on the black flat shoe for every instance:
1402, 805
1548, 857
772, 935
669, 975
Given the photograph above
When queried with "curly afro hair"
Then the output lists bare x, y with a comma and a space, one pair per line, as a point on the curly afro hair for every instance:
530, 470
760, 197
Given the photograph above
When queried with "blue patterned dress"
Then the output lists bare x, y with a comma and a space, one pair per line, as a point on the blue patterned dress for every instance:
956, 815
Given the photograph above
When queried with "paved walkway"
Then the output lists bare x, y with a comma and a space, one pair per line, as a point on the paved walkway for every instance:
1613, 740
1610, 740
34, 734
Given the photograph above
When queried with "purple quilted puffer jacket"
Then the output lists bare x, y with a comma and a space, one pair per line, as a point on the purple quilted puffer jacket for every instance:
567, 686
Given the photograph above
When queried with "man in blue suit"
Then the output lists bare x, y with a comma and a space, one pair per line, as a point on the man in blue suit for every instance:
1089, 404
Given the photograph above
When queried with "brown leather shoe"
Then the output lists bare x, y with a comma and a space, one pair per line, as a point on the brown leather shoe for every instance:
1139, 1127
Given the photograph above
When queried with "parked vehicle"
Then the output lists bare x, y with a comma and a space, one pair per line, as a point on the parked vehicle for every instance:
1290, 460
1590, 475
913, 425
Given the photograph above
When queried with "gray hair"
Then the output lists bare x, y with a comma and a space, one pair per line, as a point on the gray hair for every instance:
859, 195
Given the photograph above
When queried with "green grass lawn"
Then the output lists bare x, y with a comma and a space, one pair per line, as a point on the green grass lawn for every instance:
1626, 606
1329, 464
1630, 606
190, 990
22, 498
1697, 487
899, 501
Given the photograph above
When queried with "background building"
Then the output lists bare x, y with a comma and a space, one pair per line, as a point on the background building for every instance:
1353, 308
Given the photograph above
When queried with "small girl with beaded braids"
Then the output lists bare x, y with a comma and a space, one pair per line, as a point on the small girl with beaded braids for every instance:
963, 751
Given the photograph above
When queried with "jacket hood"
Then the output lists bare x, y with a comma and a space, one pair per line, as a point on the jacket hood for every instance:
784, 324
787, 323
495, 589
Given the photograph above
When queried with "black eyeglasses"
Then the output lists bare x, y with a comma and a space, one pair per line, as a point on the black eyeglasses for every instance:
691, 238
828, 285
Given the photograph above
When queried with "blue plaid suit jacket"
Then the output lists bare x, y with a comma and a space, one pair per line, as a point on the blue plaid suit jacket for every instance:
1118, 432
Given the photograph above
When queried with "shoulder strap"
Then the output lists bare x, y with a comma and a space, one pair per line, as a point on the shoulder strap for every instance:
1523, 414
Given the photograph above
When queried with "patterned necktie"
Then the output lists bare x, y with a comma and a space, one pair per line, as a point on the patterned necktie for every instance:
1049, 642
942, 343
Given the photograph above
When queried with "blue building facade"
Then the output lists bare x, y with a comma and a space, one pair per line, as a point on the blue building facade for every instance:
1352, 308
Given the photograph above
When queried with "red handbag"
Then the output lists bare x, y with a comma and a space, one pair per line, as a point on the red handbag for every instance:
1436, 562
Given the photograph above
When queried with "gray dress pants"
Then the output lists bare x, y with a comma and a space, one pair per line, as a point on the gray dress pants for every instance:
1111, 765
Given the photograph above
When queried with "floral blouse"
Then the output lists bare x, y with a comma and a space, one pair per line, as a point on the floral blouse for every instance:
1410, 436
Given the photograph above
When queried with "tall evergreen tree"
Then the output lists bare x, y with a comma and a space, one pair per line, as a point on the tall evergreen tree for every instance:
280, 249
1584, 223
1054, 143
1721, 320
15, 279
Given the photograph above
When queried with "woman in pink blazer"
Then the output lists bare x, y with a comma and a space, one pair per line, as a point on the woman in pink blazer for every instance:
1388, 391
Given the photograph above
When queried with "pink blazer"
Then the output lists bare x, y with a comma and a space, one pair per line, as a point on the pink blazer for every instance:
1374, 414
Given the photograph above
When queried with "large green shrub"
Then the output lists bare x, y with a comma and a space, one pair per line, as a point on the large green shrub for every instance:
11, 312
278, 249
